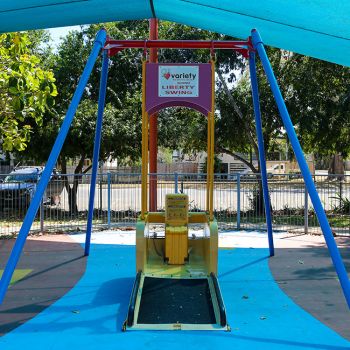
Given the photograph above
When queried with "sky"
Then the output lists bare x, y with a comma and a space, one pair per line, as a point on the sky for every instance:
57, 33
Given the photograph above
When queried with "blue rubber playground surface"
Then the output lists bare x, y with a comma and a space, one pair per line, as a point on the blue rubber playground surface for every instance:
90, 315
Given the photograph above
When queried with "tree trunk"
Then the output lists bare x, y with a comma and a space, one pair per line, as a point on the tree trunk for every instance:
260, 205
257, 201
233, 103
72, 201
250, 164
336, 167
249, 131
72, 190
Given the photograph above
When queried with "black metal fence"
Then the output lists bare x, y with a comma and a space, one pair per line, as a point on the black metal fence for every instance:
237, 201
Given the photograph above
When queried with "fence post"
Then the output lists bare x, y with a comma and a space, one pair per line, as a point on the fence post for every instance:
41, 216
109, 199
101, 194
306, 210
176, 182
238, 201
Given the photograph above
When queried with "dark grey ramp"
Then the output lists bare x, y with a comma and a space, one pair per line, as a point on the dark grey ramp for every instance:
169, 301
308, 277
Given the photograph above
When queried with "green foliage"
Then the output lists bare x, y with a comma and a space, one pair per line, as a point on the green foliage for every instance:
182, 128
217, 165
186, 129
166, 154
121, 138
318, 96
237, 132
27, 91
315, 91
344, 204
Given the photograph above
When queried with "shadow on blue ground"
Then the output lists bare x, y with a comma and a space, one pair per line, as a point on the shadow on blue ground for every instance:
116, 292
90, 316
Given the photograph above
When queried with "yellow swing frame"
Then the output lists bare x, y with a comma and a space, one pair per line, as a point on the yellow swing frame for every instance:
206, 248
183, 257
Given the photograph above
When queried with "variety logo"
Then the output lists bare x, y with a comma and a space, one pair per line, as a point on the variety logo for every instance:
166, 75
178, 76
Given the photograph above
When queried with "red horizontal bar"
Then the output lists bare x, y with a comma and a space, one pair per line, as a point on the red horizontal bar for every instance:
176, 44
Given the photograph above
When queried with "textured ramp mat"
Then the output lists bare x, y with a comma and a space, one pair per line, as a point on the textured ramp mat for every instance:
168, 300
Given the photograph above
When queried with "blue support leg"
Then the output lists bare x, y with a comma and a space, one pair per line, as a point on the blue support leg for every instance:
46, 175
97, 144
321, 215
262, 159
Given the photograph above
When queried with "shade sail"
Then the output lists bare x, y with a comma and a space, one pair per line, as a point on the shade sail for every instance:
318, 28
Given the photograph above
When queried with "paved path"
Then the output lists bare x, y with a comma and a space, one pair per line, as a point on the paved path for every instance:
55, 264
308, 277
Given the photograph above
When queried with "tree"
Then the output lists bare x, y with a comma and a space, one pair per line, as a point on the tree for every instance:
318, 97
121, 136
125, 73
178, 127
235, 126
27, 90
184, 128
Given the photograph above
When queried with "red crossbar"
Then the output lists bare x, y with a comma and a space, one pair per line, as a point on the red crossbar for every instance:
114, 46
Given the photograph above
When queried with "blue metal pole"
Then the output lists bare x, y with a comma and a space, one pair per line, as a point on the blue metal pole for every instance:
321, 215
45, 178
262, 159
97, 144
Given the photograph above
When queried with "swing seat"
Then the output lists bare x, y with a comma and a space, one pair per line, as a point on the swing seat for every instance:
176, 228
176, 244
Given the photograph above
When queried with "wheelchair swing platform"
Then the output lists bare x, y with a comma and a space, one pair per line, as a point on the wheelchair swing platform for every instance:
176, 287
176, 304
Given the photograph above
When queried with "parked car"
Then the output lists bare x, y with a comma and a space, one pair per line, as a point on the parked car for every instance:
295, 175
19, 186
244, 174
277, 169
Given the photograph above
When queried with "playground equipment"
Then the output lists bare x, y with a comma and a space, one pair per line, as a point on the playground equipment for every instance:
176, 285
183, 267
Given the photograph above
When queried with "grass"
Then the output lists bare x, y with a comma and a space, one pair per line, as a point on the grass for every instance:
17, 275
335, 221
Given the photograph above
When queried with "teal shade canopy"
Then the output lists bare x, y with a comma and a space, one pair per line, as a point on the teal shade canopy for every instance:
317, 28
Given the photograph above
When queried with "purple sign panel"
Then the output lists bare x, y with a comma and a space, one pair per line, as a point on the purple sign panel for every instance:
184, 85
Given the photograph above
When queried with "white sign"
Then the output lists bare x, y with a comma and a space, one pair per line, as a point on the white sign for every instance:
178, 81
